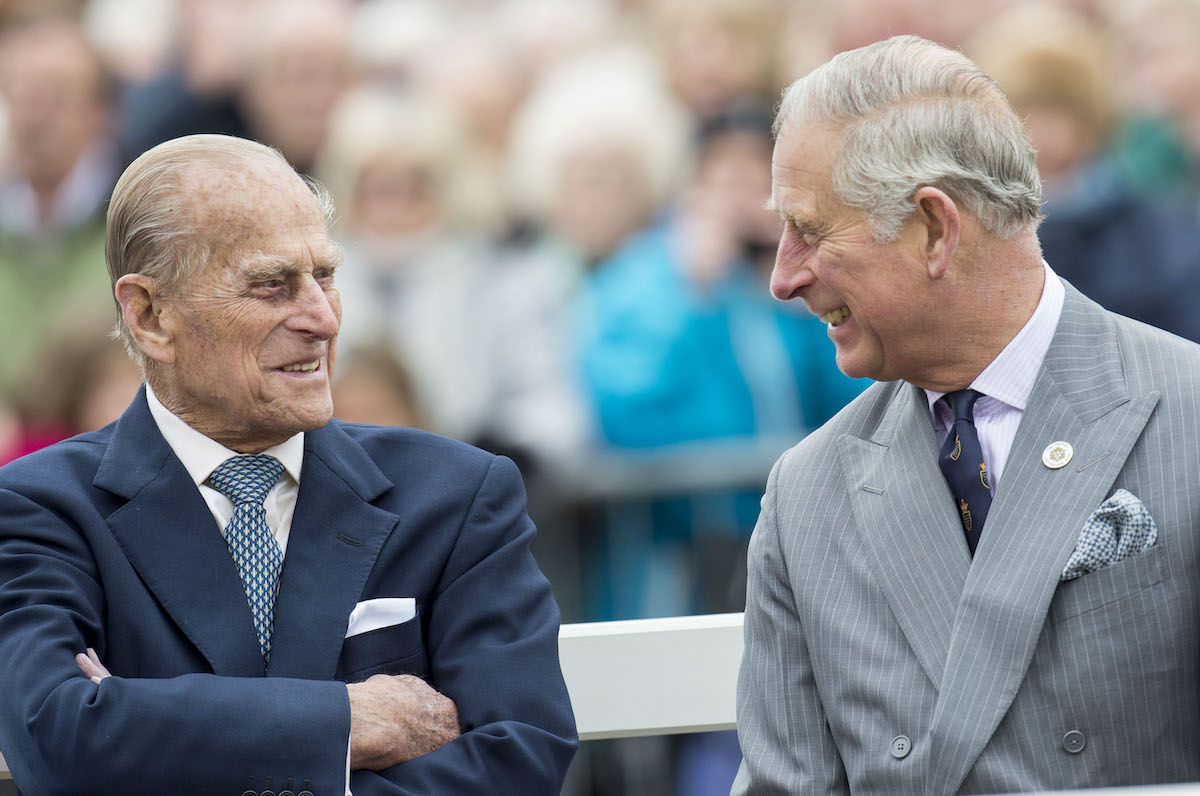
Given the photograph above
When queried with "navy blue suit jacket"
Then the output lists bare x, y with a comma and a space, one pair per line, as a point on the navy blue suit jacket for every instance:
106, 542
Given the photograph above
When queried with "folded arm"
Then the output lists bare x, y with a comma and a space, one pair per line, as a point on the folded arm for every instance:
493, 650
198, 733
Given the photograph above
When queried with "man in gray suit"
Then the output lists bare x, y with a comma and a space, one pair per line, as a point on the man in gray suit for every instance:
995, 597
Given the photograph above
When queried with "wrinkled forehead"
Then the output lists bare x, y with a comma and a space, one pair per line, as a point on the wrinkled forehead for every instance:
240, 207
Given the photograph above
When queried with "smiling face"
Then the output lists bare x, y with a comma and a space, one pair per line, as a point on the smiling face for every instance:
877, 299
252, 337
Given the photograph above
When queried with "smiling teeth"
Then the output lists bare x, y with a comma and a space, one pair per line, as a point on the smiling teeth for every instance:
306, 368
836, 317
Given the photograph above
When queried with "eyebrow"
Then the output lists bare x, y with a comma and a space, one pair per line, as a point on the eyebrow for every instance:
804, 227
260, 266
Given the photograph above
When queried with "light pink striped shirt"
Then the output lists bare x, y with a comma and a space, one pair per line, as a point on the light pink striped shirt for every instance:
1007, 382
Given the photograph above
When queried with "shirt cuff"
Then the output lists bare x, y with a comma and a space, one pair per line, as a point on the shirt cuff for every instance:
348, 793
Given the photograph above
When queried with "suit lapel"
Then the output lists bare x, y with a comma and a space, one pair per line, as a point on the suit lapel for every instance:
335, 539
169, 536
912, 534
1080, 397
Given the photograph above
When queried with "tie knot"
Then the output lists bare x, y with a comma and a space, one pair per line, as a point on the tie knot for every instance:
962, 404
246, 478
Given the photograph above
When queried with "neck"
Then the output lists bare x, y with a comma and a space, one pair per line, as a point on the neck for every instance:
999, 294
199, 421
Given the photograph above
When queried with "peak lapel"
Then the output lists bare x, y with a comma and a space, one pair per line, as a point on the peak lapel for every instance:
335, 539
169, 536
1080, 397
905, 517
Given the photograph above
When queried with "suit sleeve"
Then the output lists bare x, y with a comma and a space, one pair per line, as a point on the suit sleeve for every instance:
195, 734
787, 746
493, 642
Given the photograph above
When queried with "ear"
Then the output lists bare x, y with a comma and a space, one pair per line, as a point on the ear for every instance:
938, 218
141, 309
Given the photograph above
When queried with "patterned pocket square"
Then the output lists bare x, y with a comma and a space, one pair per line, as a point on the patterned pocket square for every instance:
1121, 527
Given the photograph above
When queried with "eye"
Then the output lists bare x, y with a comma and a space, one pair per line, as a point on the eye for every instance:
268, 288
797, 242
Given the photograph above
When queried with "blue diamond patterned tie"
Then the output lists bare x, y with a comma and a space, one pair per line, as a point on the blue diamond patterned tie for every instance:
246, 480
962, 464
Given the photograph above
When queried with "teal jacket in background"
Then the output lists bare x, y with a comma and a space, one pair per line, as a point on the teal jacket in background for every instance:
664, 361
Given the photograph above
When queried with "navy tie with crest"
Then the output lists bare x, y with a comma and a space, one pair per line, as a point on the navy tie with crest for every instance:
246, 480
962, 464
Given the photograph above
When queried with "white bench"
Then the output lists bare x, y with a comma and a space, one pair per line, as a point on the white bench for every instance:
652, 676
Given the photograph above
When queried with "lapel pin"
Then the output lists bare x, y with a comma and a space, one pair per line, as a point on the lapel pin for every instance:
1057, 454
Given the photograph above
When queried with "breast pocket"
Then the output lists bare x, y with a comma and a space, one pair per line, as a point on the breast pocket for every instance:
1111, 584
396, 649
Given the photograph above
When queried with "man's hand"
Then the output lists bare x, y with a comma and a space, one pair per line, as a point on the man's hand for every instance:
397, 718
91, 665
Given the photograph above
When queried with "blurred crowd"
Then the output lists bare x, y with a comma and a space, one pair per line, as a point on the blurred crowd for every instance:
552, 214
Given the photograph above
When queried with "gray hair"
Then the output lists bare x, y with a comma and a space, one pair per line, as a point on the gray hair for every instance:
152, 227
913, 114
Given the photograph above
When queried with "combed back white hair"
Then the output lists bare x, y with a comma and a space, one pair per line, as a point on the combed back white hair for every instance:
152, 227
912, 114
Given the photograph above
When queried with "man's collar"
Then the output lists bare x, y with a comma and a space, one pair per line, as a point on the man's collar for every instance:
201, 455
1010, 377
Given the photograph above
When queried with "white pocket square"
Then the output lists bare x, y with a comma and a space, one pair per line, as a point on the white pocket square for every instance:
371, 615
1121, 527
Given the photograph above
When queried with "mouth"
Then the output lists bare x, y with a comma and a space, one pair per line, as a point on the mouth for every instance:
835, 317
302, 367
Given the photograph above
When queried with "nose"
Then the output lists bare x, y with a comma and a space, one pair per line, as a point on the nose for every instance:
319, 310
790, 275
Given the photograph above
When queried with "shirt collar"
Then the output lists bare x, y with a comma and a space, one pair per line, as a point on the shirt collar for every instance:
201, 455
1010, 377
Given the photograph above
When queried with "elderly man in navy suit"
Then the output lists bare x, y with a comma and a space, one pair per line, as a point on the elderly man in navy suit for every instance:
228, 592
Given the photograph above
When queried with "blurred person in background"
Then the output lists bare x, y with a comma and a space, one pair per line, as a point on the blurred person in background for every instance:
1157, 42
718, 51
678, 342
196, 88
595, 155
417, 276
373, 386
62, 165
481, 76
1136, 256
82, 381
134, 36
297, 71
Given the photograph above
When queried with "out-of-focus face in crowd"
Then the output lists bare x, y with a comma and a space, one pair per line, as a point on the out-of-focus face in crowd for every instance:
297, 74
718, 51
601, 197
1160, 66
54, 86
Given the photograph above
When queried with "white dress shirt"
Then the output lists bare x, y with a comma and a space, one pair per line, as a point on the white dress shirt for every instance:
201, 455
1006, 383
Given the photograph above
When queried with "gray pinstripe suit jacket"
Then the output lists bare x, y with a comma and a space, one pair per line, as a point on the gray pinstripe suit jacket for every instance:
867, 620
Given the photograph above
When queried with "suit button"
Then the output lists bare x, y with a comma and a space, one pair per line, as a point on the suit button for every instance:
1074, 741
250, 793
901, 746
